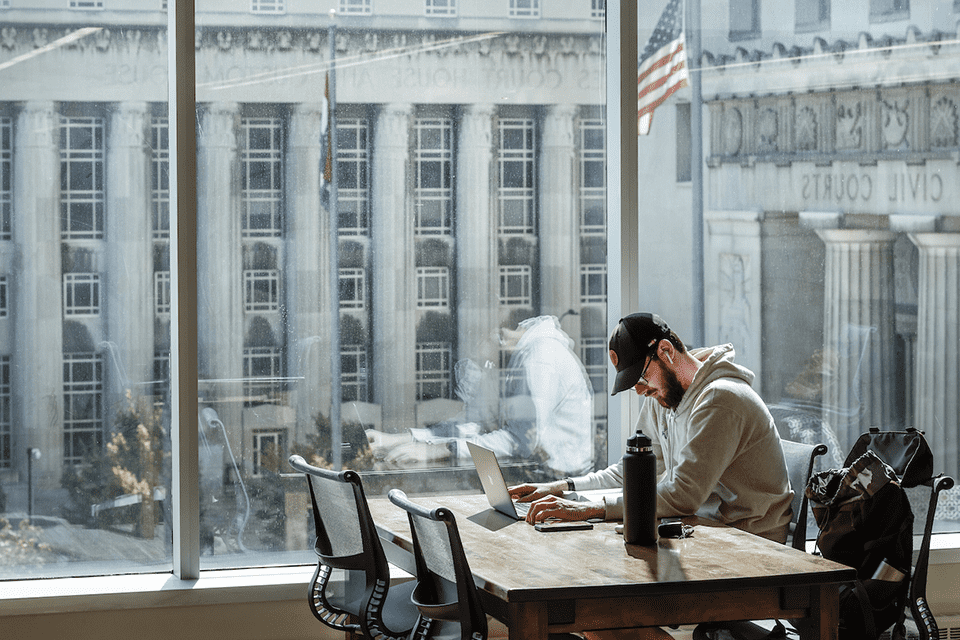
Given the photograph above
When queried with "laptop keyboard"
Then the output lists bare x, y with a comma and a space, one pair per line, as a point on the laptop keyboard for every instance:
522, 508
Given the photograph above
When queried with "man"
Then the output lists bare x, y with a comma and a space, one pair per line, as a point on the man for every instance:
545, 412
718, 450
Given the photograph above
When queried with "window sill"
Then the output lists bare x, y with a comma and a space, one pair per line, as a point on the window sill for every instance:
271, 584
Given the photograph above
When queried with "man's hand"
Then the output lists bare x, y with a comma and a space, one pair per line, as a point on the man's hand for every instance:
534, 491
562, 509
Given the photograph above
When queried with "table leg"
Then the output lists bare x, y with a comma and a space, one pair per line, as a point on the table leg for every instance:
527, 621
824, 619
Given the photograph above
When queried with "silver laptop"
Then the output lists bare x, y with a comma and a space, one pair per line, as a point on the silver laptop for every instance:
494, 486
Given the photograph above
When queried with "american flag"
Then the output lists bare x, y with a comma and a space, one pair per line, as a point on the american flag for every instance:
663, 65
326, 154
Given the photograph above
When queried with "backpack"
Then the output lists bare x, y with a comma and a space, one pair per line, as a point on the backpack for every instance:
866, 523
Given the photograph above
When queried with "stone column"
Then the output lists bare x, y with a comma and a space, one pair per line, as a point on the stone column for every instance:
937, 400
860, 376
393, 358
37, 360
559, 218
476, 237
309, 317
219, 259
129, 254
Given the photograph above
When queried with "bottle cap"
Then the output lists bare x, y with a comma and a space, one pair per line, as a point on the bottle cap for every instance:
639, 442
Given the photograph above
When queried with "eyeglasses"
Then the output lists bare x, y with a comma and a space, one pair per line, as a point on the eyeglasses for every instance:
642, 380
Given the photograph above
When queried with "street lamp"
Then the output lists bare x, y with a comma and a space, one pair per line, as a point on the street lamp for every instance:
32, 454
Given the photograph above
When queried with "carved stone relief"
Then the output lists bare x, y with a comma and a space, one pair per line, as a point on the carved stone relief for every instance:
894, 119
943, 122
850, 123
768, 128
732, 131
806, 129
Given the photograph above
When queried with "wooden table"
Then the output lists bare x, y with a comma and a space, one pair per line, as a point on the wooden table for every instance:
539, 583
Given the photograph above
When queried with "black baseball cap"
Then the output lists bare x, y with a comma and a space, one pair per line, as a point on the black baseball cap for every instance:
634, 339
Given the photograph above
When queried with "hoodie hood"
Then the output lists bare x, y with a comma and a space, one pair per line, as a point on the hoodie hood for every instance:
543, 327
717, 363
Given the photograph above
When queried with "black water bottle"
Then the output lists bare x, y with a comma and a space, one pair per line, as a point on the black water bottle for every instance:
640, 491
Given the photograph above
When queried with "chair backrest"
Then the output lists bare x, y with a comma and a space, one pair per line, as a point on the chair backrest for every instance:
800, 459
347, 539
445, 594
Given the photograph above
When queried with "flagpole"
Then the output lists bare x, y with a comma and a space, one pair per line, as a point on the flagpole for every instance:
696, 166
336, 430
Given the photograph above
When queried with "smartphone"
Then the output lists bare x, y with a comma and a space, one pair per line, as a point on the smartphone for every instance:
562, 526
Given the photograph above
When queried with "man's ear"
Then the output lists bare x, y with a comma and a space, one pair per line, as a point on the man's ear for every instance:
665, 348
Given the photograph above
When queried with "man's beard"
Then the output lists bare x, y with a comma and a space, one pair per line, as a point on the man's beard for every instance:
674, 391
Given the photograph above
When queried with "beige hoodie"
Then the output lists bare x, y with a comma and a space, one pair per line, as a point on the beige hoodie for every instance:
718, 454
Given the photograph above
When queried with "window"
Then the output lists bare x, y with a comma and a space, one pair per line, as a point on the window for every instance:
6, 175
441, 7
593, 178
353, 185
516, 286
813, 15
593, 354
434, 165
684, 143
268, 452
261, 185
261, 290
266, 6
81, 178
744, 19
598, 9
161, 292
358, 7
353, 369
160, 177
81, 294
262, 375
6, 426
433, 287
4, 308
82, 406
353, 285
889, 10
433, 370
161, 373
593, 284
516, 176
524, 8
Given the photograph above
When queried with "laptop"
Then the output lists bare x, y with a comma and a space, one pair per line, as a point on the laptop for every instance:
494, 486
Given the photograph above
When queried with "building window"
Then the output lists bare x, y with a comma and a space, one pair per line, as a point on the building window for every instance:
598, 9
593, 284
433, 288
433, 370
593, 178
684, 143
261, 177
81, 294
4, 308
267, 452
516, 286
812, 15
160, 177
81, 178
353, 182
889, 10
4, 4
516, 175
261, 290
524, 8
744, 19
356, 7
266, 6
441, 7
161, 293
433, 195
82, 406
6, 424
353, 374
353, 286
262, 371
593, 354
6, 176
161, 373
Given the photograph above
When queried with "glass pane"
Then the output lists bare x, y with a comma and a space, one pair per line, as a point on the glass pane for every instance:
84, 432
830, 248
430, 191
